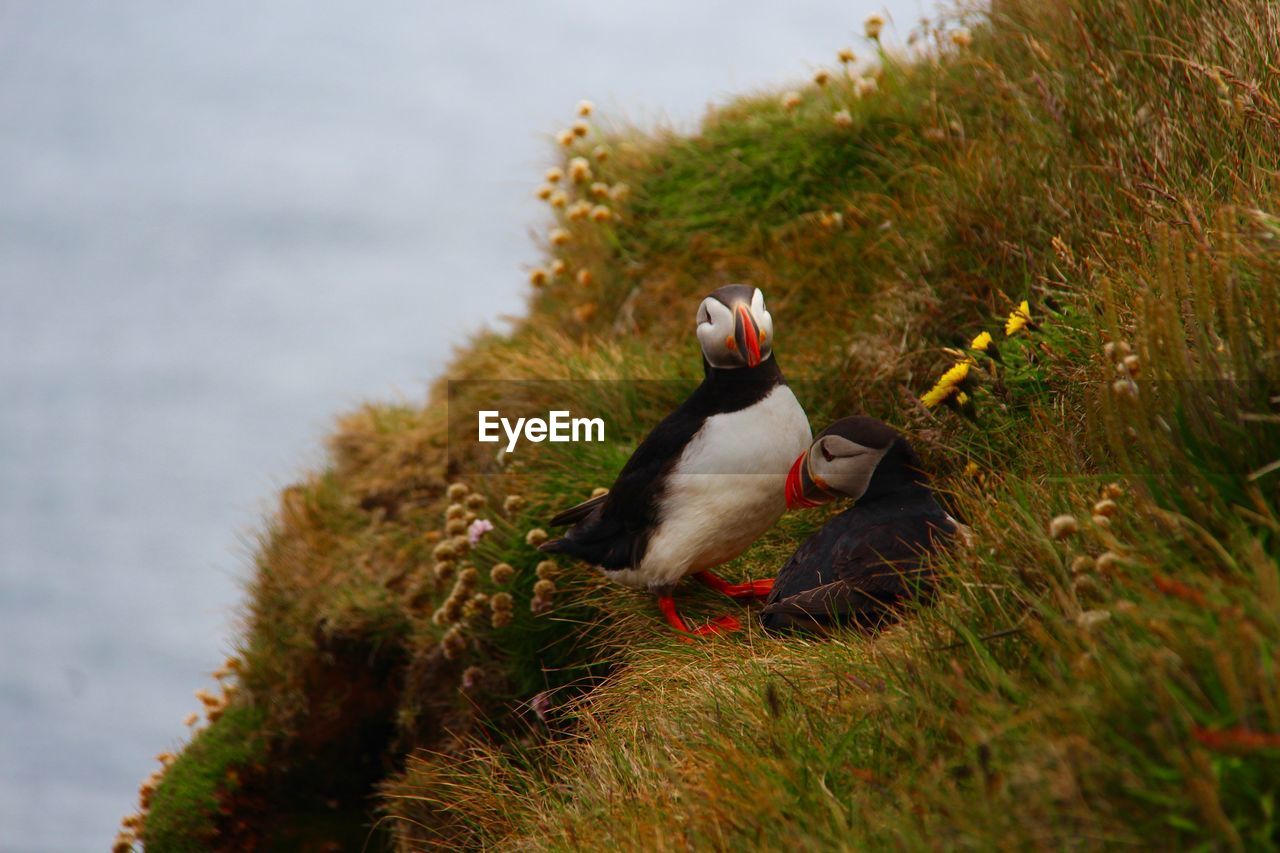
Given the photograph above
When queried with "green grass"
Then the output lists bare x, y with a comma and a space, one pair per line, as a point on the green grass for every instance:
1112, 163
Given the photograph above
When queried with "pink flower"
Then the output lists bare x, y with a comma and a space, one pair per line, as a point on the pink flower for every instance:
478, 528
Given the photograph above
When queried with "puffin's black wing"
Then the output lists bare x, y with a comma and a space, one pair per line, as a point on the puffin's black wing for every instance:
612, 530
855, 569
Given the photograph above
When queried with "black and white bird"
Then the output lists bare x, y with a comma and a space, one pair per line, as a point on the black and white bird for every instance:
708, 480
870, 559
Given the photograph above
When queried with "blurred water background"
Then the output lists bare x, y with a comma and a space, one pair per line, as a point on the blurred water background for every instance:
222, 223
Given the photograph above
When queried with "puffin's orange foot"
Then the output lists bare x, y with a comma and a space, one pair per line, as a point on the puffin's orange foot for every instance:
725, 624
750, 589
719, 625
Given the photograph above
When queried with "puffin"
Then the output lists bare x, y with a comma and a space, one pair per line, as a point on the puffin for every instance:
709, 478
864, 563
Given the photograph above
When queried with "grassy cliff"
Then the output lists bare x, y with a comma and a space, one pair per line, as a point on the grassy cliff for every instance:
1099, 668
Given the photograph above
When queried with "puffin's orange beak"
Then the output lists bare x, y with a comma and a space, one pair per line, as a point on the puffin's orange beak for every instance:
747, 335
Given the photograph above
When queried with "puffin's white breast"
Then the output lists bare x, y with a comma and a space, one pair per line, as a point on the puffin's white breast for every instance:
726, 490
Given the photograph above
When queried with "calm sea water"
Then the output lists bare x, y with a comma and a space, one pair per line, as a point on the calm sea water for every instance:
222, 223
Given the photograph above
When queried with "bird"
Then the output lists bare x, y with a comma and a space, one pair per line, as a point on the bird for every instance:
708, 480
863, 564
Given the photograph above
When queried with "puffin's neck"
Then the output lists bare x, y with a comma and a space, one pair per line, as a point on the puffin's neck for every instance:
766, 372
731, 389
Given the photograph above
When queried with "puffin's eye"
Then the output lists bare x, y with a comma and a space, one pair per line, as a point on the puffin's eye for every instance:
825, 453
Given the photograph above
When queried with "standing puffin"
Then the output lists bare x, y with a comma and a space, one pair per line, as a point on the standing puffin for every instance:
868, 559
708, 480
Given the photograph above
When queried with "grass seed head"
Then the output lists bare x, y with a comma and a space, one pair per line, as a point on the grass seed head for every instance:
961, 37
566, 137
558, 236
502, 601
822, 77
554, 175
791, 100
585, 108
535, 537
842, 118
501, 573
559, 198
512, 504
873, 26
579, 170
1063, 526
579, 128
585, 278
544, 192
846, 55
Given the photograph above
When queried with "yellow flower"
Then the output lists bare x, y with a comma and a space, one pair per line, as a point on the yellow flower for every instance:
579, 128
981, 342
937, 394
558, 236
545, 191
578, 210
947, 385
553, 175
1018, 319
565, 138
962, 398
846, 55
971, 469
600, 213
958, 373
558, 198
873, 25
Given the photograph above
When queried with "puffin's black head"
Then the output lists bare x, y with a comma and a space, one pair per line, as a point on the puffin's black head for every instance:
734, 328
860, 458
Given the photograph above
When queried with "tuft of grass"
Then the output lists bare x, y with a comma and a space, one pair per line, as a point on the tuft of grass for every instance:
190, 804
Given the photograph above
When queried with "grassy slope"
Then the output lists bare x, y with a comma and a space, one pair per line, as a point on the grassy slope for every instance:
1111, 162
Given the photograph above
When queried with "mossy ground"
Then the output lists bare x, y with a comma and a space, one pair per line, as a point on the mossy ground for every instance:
1112, 163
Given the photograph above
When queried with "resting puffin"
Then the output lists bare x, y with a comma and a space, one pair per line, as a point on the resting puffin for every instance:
868, 559
708, 480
